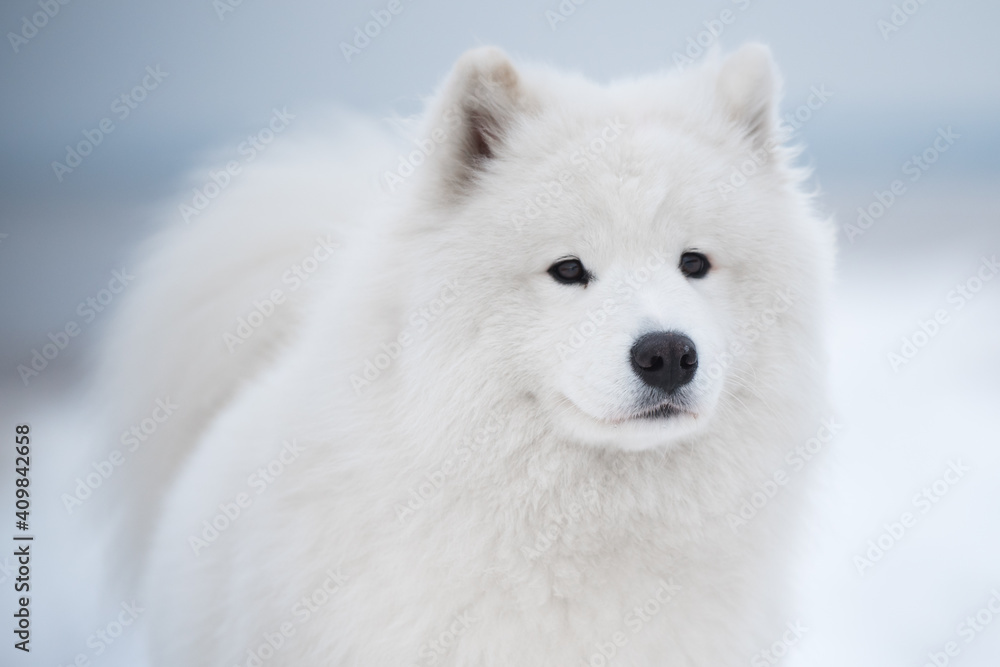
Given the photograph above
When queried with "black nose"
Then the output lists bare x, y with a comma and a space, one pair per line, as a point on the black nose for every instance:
665, 360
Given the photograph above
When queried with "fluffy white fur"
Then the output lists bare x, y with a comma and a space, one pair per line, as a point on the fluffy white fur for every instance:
547, 510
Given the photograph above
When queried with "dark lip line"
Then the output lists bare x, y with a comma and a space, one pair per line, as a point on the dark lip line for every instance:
661, 411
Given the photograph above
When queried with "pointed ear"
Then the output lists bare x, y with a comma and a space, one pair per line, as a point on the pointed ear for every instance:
482, 99
748, 87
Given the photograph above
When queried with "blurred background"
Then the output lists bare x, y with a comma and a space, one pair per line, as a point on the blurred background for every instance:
877, 92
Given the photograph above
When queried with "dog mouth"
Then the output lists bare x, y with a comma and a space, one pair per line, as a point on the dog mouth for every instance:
664, 410
657, 412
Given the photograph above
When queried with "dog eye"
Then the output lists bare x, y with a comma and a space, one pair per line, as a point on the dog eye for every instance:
570, 272
694, 265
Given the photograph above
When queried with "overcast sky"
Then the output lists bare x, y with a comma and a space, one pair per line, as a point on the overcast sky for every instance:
943, 63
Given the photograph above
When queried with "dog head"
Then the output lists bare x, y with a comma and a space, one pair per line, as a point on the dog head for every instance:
638, 257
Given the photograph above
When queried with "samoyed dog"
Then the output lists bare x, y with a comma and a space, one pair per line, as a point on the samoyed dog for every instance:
506, 409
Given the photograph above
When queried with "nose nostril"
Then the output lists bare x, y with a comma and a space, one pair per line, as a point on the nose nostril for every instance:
665, 360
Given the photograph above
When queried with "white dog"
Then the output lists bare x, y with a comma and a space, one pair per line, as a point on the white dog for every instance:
510, 415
